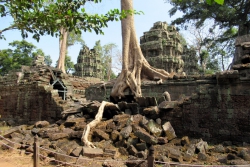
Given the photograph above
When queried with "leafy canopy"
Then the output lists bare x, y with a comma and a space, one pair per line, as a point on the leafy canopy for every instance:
233, 13
41, 17
20, 53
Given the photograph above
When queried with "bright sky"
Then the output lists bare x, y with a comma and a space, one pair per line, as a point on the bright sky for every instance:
154, 10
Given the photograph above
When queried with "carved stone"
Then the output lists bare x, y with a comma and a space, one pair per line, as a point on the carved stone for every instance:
88, 63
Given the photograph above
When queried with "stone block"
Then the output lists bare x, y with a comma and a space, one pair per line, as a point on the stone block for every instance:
169, 131
92, 152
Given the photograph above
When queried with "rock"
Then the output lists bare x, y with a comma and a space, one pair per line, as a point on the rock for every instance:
219, 149
76, 152
162, 140
174, 154
167, 105
73, 122
187, 157
202, 157
56, 136
125, 132
154, 128
143, 135
201, 146
43, 132
152, 110
132, 141
244, 154
83, 161
141, 146
41, 124
101, 134
76, 135
132, 150
35, 131
185, 141
113, 164
133, 161
17, 129
123, 151
113, 153
231, 156
92, 152
169, 131
114, 135
238, 162
141, 154
60, 156
191, 149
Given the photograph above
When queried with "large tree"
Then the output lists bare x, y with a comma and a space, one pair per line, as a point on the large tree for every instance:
134, 66
233, 13
39, 17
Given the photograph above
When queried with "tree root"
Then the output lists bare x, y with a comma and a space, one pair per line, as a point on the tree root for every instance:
93, 123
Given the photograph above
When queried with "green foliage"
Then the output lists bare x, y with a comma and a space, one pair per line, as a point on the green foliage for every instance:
233, 13
74, 38
210, 2
41, 17
21, 53
106, 52
69, 65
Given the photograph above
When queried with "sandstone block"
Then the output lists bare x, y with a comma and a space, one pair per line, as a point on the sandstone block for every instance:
92, 152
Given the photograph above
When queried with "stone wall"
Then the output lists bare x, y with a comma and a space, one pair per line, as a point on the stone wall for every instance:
214, 108
26, 103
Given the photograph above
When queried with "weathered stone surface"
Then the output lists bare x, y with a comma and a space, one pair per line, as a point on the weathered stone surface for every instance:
56, 136
143, 135
125, 132
166, 105
175, 154
202, 146
202, 156
169, 131
76, 134
114, 135
41, 124
73, 122
12, 130
92, 152
154, 128
141, 146
132, 150
162, 140
77, 151
101, 134
185, 141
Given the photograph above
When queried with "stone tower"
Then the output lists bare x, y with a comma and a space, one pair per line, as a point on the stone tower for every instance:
162, 48
88, 64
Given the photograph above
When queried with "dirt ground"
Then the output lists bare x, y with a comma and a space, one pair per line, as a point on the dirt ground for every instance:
15, 159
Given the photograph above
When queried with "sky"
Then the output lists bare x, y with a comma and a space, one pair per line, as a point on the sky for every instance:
154, 10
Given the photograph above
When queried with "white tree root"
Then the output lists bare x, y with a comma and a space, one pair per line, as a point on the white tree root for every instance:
93, 123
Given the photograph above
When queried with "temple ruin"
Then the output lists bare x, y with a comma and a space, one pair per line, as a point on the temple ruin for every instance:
88, 64
162, 48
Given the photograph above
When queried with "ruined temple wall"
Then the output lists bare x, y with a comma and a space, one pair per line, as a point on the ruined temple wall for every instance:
26, 103
215, 114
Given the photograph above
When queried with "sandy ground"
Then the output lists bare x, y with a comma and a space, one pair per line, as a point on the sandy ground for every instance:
15, 159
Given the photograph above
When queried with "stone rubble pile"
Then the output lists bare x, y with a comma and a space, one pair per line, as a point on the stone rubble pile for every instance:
119, 136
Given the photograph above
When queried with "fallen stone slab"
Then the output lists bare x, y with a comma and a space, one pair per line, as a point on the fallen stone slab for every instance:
143, 135
169, 131
92, 152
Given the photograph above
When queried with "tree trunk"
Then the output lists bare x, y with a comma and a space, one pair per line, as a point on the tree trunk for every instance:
63, 49
134, 66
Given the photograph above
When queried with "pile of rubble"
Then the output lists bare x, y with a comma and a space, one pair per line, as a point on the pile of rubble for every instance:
119, 136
